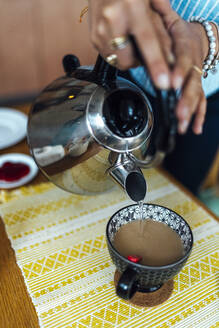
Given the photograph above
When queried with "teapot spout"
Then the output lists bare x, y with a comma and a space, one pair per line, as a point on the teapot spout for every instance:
129, 176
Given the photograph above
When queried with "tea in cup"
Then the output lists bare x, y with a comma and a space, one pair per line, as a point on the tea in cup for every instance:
148, 248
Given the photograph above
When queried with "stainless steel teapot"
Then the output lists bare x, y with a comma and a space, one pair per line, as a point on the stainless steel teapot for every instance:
90, 128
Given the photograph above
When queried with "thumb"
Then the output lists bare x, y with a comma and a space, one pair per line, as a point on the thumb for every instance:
164, 9
162, 6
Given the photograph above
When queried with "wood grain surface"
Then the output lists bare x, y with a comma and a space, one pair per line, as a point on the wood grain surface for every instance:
16, 308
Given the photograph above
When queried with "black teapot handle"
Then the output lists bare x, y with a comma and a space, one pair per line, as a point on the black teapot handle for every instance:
104, 70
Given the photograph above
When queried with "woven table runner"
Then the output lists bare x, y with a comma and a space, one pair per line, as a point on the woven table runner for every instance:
60, 247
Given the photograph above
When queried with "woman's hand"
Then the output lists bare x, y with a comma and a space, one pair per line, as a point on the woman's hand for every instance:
189, 40
164, 40
190, 47
114, 18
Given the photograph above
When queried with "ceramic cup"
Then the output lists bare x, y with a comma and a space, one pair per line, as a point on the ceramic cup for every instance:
143, 278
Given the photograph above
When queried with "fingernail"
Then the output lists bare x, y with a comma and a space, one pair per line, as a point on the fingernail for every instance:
177, 83
163, 81
199, 130
183, 126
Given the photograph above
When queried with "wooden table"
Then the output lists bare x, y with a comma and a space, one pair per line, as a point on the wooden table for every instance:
16, 308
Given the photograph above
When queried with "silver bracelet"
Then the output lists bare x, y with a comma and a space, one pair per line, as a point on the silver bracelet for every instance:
216, 59
211, 61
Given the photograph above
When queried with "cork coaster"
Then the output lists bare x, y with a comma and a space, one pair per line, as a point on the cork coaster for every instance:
152, 298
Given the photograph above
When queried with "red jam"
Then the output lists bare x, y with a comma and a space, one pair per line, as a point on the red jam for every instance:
134, 258
12, 172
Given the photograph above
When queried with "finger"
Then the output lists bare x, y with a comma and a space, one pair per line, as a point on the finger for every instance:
164, 10
117, 26
200, 116
163, 7
188, 103
125, 57
165, 40
93, 20
142, 28
183, 52
99, 24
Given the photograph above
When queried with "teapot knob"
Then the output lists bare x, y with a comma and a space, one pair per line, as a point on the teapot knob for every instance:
70, 63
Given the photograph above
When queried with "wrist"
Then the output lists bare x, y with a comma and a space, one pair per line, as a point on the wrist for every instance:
202, 38
201, 35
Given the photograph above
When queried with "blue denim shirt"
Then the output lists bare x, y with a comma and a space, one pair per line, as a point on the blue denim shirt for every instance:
209, 10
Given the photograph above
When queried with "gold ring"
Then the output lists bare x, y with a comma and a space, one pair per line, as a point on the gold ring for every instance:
197, 69
119, 43
112, 59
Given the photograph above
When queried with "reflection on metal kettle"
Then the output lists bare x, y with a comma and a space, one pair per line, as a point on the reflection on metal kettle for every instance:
91, 125
49, 154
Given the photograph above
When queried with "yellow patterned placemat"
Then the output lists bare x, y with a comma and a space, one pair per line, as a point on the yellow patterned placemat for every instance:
59, 241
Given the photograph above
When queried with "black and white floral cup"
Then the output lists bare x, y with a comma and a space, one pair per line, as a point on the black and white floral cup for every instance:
137, 277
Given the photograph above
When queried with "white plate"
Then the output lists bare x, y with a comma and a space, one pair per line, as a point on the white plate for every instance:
18, 158
13, 127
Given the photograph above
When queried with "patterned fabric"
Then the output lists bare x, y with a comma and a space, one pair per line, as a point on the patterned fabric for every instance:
59, 241
209, 10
